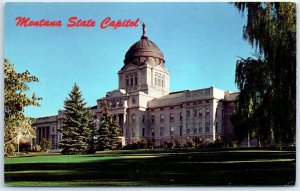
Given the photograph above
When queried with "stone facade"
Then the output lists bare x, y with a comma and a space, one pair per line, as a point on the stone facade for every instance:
145, 109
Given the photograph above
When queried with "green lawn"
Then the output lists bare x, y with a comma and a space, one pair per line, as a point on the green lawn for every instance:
159, 167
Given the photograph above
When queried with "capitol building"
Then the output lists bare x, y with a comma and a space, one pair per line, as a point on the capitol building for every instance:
145, 108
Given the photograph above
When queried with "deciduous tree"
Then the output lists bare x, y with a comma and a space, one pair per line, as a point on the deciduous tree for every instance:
269, 81
16, 124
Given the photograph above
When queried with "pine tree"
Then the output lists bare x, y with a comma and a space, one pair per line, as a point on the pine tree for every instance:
90, 133
114, 135
77, 126
109, 131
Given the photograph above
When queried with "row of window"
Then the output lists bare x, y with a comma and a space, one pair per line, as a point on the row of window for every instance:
190, 130
188, 104
131, 79
172, 116
159, 80
113, 104
198, 112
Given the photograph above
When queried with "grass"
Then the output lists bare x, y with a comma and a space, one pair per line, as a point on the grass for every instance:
158, 167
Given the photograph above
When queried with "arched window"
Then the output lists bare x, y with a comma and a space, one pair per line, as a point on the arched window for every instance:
131, 80
127, 80
135, 79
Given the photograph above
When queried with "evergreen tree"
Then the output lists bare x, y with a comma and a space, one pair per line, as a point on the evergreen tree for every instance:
90, 133
77, 126
16, 124
108, 131
114, 135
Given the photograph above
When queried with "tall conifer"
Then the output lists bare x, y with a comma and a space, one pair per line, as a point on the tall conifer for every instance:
108, 131
77, 126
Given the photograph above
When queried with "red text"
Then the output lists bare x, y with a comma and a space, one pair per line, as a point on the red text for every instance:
27, 22
74, 22
107, 22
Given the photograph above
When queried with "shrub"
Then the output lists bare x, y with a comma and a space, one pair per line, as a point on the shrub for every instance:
37, 148
142, 144
24, 146
45, 145
178, 144
188, 143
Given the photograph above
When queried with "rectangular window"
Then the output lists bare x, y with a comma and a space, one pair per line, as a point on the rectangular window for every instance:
152, 118
172, 116
195, 130
206, 101
171, 130
200, 113
188, 129
143, 118
52, 140
195, 113
133, 133
200, 127
216, 127
53, 128
180, 116
207, 111
162, 131
127, 81
200, 130
180, 130
131, 80
207, 127
143, 132
162, 117
113, 103
152, 132
188, 113
135, 79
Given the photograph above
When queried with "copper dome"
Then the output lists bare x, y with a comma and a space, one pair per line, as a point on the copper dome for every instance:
143, 48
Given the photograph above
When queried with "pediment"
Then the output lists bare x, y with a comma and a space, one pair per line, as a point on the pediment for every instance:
129, 67
161, 68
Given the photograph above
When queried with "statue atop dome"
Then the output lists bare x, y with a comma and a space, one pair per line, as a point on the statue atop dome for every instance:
144, 30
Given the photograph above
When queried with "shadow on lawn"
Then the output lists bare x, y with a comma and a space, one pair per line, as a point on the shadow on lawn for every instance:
188, 169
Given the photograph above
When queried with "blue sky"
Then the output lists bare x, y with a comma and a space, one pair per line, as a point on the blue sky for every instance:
200, 41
